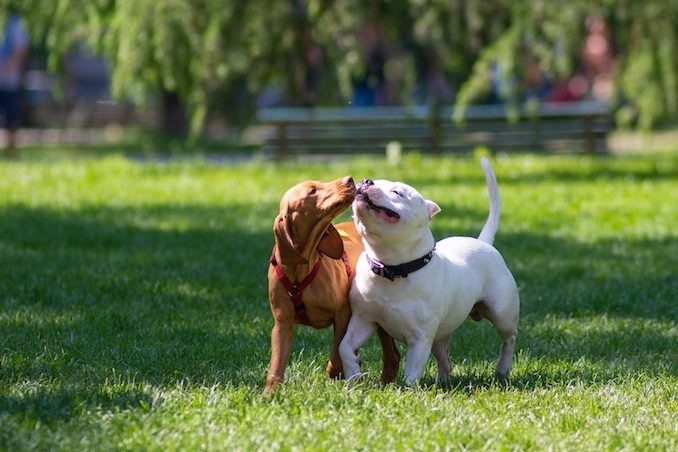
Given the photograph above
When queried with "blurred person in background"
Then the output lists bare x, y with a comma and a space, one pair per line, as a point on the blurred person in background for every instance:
13, 54
598, 58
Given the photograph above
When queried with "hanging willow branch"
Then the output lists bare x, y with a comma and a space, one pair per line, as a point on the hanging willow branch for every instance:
195, 48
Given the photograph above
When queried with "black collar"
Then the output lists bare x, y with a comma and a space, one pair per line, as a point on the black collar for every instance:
391, 272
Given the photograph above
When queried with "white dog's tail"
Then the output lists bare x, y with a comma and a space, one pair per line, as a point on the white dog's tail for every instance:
492, 223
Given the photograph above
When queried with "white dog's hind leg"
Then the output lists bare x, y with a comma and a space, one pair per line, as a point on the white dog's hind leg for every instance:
441, 353
357, 333
505, 361
415, 360
506, 324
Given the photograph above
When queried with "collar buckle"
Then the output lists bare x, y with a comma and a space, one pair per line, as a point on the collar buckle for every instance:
294, 291
380, 270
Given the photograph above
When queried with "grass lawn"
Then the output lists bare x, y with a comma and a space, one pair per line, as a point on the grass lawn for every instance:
134, 315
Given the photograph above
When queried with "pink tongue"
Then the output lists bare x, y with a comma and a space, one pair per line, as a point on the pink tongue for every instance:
386, 217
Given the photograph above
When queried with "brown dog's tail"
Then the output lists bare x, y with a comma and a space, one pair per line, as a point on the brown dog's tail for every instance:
492, 223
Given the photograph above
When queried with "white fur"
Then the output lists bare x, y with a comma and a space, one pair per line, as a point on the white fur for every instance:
492, 224
425, 308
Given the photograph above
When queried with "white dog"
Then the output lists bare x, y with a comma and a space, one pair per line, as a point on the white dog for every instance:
420, 291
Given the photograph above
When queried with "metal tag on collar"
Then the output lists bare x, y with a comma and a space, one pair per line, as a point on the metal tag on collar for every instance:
379, 269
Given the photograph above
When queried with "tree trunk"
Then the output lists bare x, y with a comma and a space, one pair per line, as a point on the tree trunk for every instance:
174, 120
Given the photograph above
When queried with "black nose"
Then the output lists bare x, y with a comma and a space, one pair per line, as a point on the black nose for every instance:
364, 183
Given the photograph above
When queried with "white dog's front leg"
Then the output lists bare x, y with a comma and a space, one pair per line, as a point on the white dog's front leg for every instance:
357, 333
417, 355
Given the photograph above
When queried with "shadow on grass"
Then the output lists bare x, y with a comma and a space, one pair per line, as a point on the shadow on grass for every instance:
88, 293
168, 294
51, 405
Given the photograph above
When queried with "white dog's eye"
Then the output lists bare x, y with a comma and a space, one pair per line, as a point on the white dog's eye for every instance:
397, 192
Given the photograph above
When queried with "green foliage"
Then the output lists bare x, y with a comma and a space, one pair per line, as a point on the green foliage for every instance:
649, 74
644, 35
210, 52
133, 310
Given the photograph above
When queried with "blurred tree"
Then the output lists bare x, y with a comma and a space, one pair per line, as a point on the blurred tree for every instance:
221, 54
567, 38
184, 49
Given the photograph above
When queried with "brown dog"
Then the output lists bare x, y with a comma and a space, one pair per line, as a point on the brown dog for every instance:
311, 272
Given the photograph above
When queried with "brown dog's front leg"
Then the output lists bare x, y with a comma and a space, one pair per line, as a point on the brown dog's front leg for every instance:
281, 345
390, 356
335, 368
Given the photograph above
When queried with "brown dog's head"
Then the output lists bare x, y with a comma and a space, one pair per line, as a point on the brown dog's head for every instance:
304, 223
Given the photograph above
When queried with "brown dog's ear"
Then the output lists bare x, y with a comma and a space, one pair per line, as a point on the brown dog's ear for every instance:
331, 244
288, 248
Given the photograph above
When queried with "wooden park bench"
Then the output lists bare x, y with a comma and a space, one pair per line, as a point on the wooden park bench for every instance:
573, 126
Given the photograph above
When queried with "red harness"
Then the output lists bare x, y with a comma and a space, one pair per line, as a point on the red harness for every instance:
294, 290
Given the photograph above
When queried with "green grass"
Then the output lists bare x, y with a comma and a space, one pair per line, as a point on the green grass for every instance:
133, 310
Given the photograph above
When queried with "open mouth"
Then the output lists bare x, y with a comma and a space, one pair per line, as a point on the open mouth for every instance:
387, 214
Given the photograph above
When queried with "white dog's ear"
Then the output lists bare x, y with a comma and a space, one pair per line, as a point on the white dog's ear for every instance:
433, 208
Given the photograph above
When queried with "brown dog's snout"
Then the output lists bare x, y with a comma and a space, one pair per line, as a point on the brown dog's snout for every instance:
347, 181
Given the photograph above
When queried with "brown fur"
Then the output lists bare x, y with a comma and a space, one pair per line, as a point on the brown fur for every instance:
302, 229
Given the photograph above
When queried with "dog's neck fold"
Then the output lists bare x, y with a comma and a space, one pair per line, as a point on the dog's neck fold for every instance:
296, 272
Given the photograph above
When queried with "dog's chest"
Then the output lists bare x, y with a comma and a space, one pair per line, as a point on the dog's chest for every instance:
393, 304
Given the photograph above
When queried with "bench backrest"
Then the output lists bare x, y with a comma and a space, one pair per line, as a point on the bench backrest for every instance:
566, 126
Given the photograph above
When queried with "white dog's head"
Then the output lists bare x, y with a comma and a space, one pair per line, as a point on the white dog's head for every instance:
393, 216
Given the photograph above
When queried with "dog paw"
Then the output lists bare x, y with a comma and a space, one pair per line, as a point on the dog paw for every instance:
336, 372
389, 372
502, 378
355, 380
443, 380
412, 383
270, 388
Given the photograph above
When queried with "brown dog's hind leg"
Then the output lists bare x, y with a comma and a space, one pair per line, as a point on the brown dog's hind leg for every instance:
390, 356
281, 345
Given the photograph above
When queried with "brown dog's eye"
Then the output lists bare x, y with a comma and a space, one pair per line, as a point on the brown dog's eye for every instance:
312, 191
